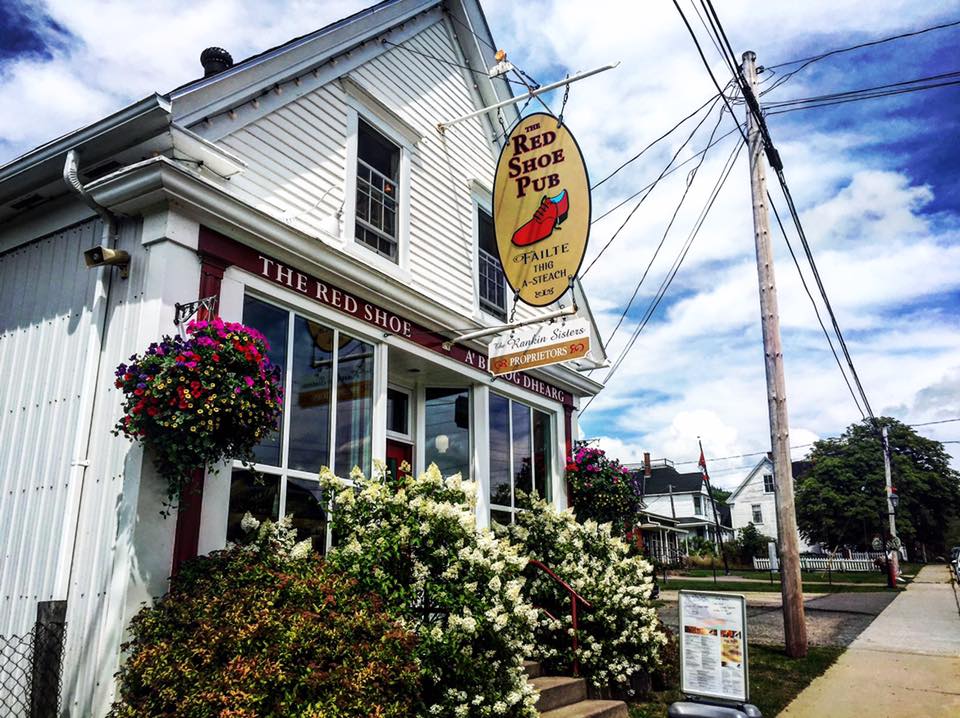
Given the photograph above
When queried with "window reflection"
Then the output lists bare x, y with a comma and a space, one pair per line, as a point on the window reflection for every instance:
354, 406
305, 502
500, 484
260, 497
309, 403
447, 419
520, 449
272, 322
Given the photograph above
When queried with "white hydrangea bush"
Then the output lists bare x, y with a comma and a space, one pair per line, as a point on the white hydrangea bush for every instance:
414, 541
620, 634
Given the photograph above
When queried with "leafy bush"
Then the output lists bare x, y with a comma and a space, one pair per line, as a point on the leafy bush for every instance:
620, 635
266, 630
700, 546
750, 544
199, 400
415, 542
603, 490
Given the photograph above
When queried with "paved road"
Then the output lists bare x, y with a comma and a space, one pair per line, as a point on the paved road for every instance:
906, 663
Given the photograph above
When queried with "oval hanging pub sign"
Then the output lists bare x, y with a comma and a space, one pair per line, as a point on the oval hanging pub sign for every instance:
541, 209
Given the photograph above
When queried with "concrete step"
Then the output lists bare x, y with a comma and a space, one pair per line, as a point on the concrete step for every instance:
533, 669
558, 691
590, 709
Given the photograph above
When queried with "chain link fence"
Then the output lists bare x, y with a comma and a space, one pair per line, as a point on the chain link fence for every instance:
31, 666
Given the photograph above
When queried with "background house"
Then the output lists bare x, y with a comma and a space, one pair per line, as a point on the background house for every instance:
753, 501
683, 498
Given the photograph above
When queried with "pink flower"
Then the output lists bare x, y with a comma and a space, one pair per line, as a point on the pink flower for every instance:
249, 380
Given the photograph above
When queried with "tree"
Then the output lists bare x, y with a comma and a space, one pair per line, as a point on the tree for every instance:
720, 495
842, 500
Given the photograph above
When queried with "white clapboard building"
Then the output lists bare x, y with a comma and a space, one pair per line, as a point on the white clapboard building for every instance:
754, 501
308, 190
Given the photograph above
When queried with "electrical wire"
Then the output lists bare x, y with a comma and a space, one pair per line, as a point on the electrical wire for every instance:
806, 61
647, 194
673, 169
686, 191
859, 98
931, 423
666, 134
816, 309
862, 91
672, 272
413, 51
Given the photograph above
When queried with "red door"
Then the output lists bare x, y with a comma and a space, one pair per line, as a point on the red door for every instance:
398, 453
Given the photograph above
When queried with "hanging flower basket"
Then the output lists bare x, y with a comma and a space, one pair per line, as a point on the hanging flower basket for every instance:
199, 400
603, 490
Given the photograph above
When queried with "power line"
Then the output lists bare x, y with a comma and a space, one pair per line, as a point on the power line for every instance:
686, 190
931, 423
672, 272
859, 98
673, 169
837, 51
666, 134
644, 197
866, 91
435, 58
816, 309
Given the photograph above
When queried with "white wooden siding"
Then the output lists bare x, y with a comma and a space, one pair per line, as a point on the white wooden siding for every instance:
297, 153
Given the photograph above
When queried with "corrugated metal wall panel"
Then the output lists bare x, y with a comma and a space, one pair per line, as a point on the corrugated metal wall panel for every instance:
298, 152
104, 522
46, 296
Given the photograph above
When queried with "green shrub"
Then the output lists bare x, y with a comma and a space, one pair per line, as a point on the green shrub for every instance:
266, 629
619, 636
414, 541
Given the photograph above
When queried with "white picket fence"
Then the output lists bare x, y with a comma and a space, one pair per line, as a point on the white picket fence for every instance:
812, 563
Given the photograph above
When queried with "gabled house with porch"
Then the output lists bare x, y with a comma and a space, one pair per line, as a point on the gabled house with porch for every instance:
682, 498
305, 191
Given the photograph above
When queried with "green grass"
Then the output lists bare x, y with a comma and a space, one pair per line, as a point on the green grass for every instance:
774, 680
674, 584
814, 576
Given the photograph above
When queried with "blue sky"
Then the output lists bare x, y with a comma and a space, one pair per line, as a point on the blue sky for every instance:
877, 184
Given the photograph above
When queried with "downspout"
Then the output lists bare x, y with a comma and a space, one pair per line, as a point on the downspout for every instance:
95, 345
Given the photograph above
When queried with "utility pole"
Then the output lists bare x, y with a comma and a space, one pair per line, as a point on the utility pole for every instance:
791, 587
891, 508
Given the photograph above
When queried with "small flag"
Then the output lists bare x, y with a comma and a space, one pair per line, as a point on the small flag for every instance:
703, 465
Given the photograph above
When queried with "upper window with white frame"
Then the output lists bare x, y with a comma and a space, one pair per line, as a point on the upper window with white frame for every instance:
378, 178
492, 286
757, 512
767, 484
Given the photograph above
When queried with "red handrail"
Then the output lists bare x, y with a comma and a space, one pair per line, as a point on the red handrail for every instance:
574, 597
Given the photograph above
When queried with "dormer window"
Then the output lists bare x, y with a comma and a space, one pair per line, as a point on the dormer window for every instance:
378, 176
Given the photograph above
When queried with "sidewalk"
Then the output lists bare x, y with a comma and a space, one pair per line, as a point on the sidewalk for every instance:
906, 663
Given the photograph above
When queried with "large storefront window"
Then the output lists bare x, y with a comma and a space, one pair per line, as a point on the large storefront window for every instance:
520, 455
328, 379
447, 418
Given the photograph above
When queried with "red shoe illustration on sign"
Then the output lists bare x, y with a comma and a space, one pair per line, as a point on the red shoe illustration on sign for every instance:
549, 215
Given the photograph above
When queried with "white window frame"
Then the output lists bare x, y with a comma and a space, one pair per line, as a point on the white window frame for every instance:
482, 200
754, 510
698, 505
411, 425
551, 470
349, 244
773, 486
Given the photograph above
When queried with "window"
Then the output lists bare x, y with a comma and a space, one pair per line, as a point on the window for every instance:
378, 174
520, 455
447, 418
490, 280
767, 484
398, 413
697, 507
757, 513
327, 420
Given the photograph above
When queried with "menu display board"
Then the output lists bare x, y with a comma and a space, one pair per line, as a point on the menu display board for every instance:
713, 645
